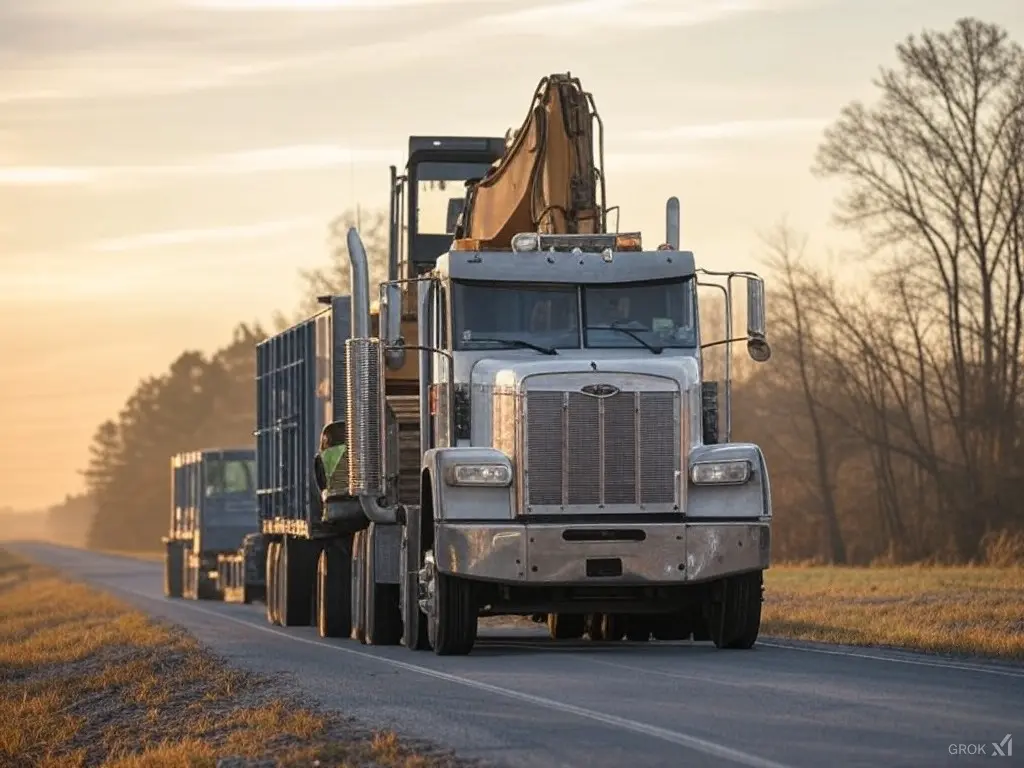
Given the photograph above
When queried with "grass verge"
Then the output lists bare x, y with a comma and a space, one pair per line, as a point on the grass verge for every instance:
87, 681
958, 610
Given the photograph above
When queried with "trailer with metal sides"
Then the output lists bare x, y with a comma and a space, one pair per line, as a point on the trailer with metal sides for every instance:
213, 508
325, 564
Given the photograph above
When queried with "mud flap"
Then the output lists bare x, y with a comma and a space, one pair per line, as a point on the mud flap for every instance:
414, 623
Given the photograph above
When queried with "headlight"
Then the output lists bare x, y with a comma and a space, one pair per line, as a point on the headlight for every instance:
479, 474
720, 473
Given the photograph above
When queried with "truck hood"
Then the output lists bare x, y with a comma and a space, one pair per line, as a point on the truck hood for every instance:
504, 373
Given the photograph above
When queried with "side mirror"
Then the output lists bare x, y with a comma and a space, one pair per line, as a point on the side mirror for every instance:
391, 325
757, 345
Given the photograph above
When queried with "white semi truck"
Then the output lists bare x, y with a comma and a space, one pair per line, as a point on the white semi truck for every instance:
569, 463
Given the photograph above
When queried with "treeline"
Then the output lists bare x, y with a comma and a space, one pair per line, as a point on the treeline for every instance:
891, 411
200, 402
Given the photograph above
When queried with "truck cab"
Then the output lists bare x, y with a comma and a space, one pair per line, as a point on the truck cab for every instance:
565, 469
213, 508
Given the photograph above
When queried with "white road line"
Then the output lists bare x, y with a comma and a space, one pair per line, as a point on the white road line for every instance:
934, 663
937, 664
673, 737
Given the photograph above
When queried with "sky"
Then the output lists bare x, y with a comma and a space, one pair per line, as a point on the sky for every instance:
168, 166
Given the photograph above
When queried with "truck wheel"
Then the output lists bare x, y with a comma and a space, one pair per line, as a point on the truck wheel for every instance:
334, 590
272, 579
382, 602
566, 626
174, 572
452, 620
296, 577
735, 618
613, 627
206, 588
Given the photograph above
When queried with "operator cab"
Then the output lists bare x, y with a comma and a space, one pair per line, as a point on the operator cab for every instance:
437, 173
228, 473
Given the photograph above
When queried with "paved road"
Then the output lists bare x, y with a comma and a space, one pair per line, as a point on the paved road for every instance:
521, 700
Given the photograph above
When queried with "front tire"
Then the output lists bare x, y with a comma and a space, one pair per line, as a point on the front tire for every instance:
174, 571
734, 619
452, 621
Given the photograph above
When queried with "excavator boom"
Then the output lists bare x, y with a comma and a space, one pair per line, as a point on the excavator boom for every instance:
548, 180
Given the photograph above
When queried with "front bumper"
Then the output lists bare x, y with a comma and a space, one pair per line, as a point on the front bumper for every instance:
567, 554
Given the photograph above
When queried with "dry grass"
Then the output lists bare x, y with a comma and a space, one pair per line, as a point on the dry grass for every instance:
86, 681
958, 610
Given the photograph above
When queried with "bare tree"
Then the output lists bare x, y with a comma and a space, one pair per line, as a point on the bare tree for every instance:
334, 278
796, 323
935, 168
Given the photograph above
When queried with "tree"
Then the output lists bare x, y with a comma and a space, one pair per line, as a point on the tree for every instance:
333, 279
199, 403
934, 176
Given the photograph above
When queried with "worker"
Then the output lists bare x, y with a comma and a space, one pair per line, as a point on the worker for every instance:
332, 451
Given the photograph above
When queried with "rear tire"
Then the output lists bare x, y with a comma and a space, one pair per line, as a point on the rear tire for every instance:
734, 620
174, 570
566, 626
453, 616
334, 589
206, 588
296, 583
613, 627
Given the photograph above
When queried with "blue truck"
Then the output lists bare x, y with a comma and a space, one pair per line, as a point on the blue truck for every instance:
213, 511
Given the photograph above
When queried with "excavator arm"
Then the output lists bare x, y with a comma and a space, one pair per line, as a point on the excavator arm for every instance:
548, 180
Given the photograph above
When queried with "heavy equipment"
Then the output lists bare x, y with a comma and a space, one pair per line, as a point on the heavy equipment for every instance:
520, 426
213, 508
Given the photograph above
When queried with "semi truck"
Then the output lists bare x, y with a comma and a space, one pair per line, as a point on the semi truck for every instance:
213, 510
520, 424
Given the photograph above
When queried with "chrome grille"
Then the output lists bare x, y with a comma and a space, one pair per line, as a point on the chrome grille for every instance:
583, 450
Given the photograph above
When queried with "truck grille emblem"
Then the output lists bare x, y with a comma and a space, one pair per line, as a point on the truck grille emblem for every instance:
599, 390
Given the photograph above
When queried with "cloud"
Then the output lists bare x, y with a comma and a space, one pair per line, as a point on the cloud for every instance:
734, 129
634, 162
300, 157
179, 237
301, 6
44, 176
570, 18
167, 47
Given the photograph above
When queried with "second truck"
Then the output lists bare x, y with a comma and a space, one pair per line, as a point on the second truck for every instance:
521, 425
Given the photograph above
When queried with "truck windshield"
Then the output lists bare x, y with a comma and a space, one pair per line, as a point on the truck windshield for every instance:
654, 314
230, 476
440, 193
485, 314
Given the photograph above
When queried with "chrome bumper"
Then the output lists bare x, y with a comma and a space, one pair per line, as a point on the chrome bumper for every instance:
670, 553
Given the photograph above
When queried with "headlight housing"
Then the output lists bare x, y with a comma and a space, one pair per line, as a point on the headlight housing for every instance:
721, 472
494, 475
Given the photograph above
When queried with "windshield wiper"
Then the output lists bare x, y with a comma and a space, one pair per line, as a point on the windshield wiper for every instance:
519, 343
615, 327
